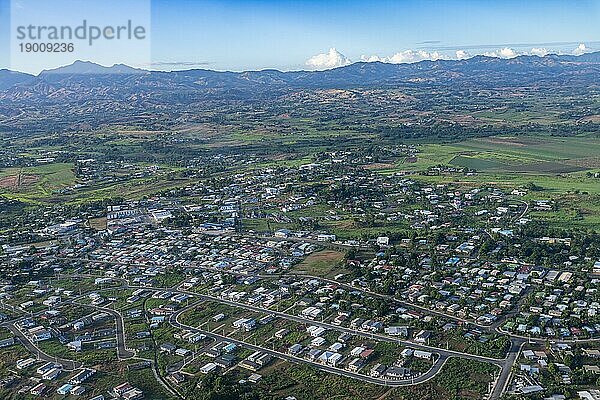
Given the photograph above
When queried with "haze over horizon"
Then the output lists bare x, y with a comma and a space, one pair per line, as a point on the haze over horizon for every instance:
89, 66
306, 34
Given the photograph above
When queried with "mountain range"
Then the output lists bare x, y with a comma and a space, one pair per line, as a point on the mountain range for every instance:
479, 70
87, 89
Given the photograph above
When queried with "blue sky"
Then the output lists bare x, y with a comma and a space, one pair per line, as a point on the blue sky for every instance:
257, 34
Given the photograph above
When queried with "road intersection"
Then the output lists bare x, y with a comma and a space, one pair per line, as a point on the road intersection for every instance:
442, 355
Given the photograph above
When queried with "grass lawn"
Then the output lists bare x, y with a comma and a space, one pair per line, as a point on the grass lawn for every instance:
322, 263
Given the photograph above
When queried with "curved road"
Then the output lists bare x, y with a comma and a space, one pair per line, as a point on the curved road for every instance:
385, 338
435, 369
68, 365
122, 351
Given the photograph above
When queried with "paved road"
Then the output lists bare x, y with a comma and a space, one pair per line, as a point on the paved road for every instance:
442, 354
391, 298
122, 351
505, 364
68, 365
297, 275
544, 340
384, 338
330, 245
487, 328
174, 320
505, 373
525, 209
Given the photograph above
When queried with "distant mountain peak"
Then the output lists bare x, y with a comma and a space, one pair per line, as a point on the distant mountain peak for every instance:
80, 67
9, 78
86, 79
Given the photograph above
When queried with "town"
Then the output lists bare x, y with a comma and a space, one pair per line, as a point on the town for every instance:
382, 279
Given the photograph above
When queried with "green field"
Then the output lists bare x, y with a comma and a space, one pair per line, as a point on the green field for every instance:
562, 168
533, 154
322, 263
558, 165
43, 183
33, 183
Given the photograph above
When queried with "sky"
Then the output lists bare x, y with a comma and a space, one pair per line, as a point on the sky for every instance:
311, 34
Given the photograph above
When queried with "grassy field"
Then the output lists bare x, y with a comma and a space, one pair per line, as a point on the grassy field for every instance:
459, 380
34, 183
42, 184
527, 154
561, 167
322, 263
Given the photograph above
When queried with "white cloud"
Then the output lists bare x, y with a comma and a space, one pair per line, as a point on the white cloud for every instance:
331, 59
462, 54
506, 52
580, 49
406, 56
435, 56
539, 51
334, 58
373, 58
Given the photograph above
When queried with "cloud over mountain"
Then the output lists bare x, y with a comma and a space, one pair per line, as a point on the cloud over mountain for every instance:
539, 51
331, 59
334, 58
581, 49
505, 52
462, 54
406, 56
